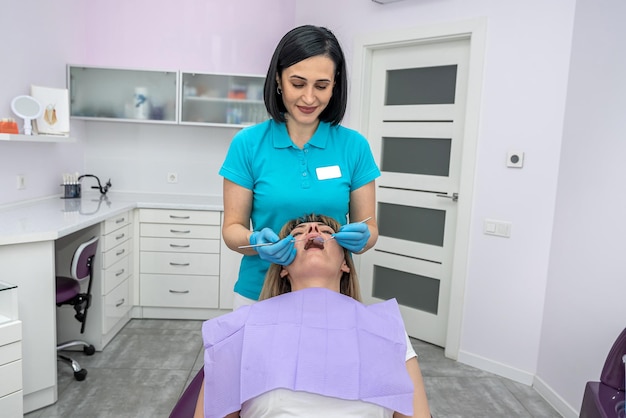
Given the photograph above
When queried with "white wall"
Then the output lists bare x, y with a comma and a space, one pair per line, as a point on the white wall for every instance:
38, 40
585, 306
525, 100
524, 97
191, 35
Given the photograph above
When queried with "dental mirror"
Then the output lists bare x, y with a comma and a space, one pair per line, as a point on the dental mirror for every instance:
27, 108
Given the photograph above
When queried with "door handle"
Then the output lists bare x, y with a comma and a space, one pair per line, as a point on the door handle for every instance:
454, 197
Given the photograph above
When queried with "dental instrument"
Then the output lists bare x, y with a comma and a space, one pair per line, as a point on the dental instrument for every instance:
301, 239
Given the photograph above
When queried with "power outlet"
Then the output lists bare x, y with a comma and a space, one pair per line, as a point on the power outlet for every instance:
21, 182
172, 177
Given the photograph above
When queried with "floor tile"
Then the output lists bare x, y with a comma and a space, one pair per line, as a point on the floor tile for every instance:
145, 368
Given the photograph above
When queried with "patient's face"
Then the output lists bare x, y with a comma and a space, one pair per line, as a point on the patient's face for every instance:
318, 254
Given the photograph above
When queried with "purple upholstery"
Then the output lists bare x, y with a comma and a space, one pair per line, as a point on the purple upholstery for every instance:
186, 405
67, 288
80, 265
613, 371
601, 401
605, 399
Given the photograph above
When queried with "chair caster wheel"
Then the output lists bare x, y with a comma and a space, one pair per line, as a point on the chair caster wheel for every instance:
80, 375
89, 350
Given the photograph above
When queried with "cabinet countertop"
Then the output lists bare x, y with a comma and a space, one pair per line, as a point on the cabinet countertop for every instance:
52, 218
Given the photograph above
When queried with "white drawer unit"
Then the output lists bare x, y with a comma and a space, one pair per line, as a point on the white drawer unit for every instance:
116, 307
180, 290
11, 384
116, 252
179, 260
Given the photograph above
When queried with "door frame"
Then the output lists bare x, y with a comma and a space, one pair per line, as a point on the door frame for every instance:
475, 31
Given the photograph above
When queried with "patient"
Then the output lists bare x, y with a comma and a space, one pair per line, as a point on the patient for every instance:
310, 348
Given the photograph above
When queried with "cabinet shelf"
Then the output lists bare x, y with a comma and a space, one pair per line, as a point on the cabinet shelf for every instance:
36, 138
222, 100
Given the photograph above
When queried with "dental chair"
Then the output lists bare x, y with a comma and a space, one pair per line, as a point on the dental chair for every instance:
68, 292
606, 398
186, 405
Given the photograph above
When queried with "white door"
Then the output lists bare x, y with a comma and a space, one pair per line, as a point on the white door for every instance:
416, 126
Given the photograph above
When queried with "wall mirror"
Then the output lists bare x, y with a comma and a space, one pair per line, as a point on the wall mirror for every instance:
27, 108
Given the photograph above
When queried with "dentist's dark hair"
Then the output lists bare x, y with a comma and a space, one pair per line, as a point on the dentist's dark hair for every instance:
297, 45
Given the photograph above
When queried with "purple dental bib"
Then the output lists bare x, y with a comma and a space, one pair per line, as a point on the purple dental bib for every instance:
313, 340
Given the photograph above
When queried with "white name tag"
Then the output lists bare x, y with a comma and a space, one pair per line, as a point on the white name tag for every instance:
330, 172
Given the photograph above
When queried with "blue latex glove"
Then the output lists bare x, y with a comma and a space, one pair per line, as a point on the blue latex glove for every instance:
282, 252
353, 237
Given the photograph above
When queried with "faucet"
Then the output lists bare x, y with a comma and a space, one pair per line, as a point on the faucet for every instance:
103, 190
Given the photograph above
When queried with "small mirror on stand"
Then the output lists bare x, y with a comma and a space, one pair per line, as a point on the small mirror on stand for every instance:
27, 108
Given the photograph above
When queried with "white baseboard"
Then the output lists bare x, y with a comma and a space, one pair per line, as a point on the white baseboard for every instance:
554, 399
494, 367
520, 376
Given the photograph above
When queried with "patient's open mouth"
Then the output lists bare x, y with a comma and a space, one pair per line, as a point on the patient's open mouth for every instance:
316, 242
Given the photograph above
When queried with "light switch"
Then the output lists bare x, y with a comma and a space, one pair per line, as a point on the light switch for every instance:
498, 228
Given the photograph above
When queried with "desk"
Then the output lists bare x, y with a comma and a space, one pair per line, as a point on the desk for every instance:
28, 233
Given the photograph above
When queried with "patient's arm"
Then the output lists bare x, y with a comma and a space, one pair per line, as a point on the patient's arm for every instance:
420, 402
199, 413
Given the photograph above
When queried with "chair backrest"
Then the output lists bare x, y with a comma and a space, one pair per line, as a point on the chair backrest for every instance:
613, 371
81, 260
186, 405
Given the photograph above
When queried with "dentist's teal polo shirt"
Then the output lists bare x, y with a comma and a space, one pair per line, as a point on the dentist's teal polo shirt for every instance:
288, 182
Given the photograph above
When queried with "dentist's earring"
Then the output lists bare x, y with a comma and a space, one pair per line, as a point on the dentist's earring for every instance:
279, 90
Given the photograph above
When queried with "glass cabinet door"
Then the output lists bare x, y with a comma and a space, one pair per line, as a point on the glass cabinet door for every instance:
222, 99
123, 94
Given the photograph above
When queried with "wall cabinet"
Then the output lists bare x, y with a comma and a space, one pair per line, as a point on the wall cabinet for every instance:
11, 393
179, 260
222, 99
123, 94
171, 97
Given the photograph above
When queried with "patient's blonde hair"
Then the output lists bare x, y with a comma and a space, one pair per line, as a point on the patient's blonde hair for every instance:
275, 285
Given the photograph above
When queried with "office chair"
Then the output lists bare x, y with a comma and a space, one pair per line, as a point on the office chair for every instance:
68, 293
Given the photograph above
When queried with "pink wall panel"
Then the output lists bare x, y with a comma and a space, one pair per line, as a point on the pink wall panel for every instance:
200, 35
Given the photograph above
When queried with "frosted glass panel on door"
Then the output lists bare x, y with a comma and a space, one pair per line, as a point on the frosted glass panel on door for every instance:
427, 156
421, 86
411, 223
412, 290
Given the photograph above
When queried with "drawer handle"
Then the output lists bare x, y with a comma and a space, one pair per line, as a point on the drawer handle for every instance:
176, 231
120, 303
179, 217
120, 236
179, 291
179, 246
179, 264
120, 220
120, 252
119, 273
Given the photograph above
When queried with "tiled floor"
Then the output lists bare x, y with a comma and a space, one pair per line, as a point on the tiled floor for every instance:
143, 371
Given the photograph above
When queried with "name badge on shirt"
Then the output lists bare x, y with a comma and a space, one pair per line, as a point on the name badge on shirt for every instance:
330, 172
